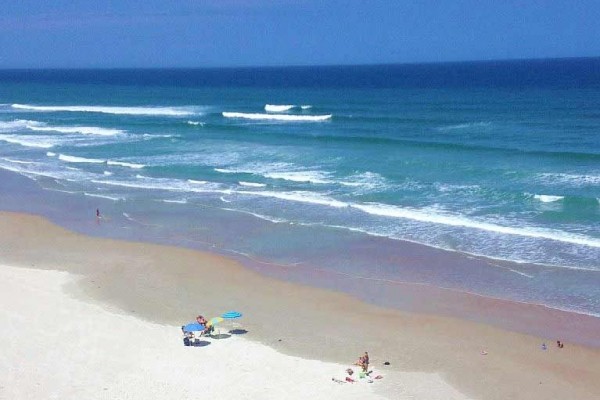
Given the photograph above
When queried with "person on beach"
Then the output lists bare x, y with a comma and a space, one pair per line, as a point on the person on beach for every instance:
207, 329
363, 362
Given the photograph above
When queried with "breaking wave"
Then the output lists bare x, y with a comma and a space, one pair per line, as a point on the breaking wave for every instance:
86, 130
278, 108
277, 117
547, 198
148, 111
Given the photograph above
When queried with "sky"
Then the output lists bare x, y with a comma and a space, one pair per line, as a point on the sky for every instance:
229, 33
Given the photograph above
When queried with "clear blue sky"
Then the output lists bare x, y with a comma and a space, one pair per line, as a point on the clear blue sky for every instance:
210, 33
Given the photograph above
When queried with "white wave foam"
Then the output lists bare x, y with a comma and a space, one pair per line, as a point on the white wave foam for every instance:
366, 180
260, 216
223, 200
423, 216
103, 196
277, 117
149, 111
257, 168
301, 197
73, 159
278, 108
226, 171
197, 182
17, 161
125, 164
86, 130
49, 171
547, 198
172, 185
252, 184
184, 201
107, 173
42, 142
569, 179
300, 176
7, 126
465, 126
306, 107
51, 154
195, 123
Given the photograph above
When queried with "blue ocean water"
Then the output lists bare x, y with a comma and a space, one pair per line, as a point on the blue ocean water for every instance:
334, 166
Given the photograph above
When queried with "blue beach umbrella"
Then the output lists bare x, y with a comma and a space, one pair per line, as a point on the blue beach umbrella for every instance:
231, 315
193, 326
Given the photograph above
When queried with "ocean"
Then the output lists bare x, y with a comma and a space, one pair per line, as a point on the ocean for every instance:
328, 172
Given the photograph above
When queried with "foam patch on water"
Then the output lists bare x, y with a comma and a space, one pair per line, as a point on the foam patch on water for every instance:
568, 179
277, 117
17, 124
251, 184
547, 198
300, 176
74, 159
85, 130
125, 164
385, 210
301, 197
147, 111
42, 142
277, 108
102, 196
18, 161
467, 125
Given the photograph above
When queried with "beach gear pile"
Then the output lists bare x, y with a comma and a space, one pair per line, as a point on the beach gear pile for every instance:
202, 327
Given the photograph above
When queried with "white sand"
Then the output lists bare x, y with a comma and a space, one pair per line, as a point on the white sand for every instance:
58, 347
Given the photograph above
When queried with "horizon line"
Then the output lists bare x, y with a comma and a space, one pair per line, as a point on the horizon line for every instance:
283, 66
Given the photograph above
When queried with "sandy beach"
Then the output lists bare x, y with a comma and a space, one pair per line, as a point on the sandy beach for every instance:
93, 318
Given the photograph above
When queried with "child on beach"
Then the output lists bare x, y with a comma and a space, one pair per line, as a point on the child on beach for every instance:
363, 362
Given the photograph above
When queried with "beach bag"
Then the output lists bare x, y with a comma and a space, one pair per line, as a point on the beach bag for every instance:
186, 341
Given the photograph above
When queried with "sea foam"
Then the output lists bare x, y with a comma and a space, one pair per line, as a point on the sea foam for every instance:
300, 176
125, 164
251, 184
73, 159
458, 221
277, 117
278, 108
29, 141
86, 130
547, 198
149, 111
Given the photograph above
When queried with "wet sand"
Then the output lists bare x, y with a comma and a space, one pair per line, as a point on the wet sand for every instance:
168, 285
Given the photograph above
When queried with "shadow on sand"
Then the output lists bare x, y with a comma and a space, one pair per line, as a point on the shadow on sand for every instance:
220, 336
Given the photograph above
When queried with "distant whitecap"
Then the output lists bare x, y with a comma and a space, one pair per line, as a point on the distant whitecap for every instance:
277, 117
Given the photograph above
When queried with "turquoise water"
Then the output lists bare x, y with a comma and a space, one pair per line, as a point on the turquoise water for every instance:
295, 174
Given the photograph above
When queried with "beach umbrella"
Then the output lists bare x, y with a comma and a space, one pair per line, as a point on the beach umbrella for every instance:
194, 326
214, 321
231, 315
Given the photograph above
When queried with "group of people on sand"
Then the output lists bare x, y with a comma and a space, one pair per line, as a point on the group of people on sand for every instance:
363, 363
189, 338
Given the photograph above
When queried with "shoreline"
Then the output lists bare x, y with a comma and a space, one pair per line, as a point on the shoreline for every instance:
145, 280
416, 294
